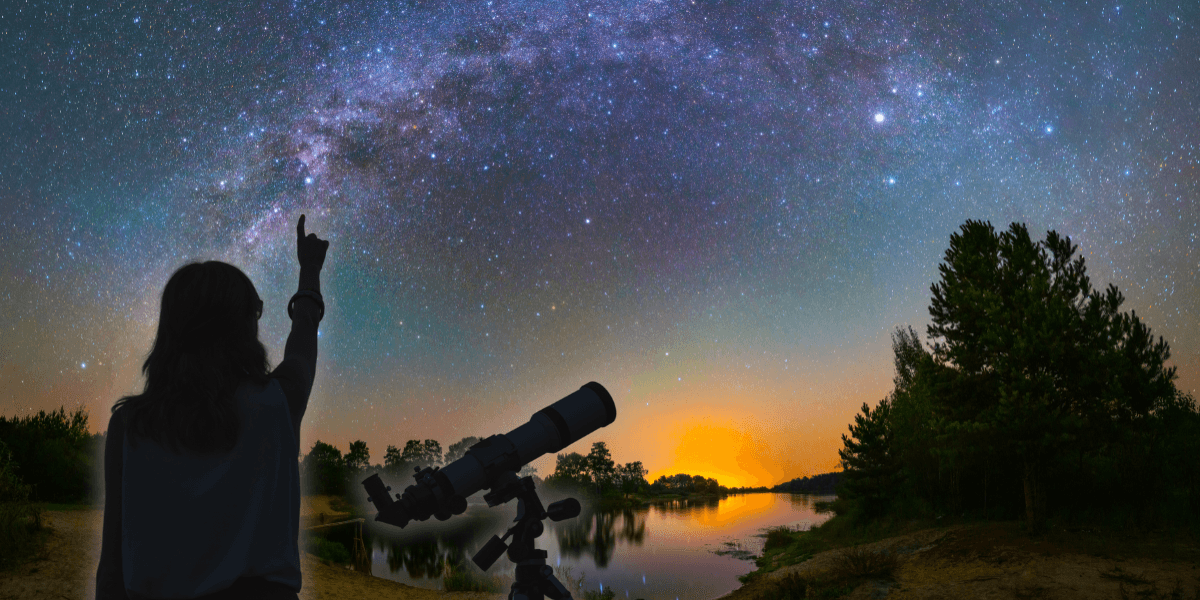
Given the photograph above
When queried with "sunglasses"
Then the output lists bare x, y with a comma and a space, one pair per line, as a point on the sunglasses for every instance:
258, 309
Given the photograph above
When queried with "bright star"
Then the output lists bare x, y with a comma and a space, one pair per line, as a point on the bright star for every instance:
879, 118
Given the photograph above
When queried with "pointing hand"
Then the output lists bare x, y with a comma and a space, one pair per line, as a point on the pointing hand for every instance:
310, 249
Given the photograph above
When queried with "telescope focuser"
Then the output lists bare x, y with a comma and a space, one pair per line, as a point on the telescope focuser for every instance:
428, 497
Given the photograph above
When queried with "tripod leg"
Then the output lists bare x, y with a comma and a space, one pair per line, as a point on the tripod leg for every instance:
552, 587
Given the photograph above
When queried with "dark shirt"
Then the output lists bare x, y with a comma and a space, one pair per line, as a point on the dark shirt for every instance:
294, 378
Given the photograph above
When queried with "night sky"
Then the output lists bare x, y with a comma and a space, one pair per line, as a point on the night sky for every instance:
718, 210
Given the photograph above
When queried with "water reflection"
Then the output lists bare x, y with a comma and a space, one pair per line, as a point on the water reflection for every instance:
419, 559
669, 549
595, 533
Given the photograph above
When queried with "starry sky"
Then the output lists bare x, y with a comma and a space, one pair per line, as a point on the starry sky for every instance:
719, 210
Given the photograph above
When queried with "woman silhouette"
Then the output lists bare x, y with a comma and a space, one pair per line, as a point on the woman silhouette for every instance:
200, 470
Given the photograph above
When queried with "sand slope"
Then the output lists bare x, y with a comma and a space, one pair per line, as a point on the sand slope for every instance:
992, 562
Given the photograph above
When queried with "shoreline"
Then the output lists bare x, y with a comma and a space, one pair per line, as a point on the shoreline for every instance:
996, 559
976, 559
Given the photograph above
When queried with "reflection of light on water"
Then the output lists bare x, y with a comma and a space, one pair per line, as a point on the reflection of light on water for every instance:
681, 556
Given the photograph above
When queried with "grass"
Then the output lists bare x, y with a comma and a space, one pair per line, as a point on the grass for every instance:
464, 578
779, 537
859, 563
785, 547
854, 566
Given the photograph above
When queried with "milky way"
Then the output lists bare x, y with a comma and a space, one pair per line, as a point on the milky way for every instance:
718, 209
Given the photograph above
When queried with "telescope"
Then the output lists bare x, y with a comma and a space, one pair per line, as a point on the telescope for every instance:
492, 464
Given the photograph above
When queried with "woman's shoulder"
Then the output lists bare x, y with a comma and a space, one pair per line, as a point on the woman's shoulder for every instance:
117, 420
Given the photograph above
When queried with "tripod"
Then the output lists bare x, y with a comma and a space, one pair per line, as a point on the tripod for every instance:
535, 579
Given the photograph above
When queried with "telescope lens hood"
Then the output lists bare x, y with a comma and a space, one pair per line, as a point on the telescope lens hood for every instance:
610, 407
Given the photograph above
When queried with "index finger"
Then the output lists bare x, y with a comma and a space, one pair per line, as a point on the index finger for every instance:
300, 227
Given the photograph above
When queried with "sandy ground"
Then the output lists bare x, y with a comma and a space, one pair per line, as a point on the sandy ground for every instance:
992, 563
66, 569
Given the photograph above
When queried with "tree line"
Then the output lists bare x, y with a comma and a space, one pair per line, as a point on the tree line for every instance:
327, 471
825, 483
50, 457
1036, 396
599, 476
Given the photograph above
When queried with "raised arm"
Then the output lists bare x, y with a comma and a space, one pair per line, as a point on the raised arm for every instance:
306, 308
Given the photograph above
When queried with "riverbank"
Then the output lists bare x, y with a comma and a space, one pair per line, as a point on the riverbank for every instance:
982, 560
637, 500
66, 566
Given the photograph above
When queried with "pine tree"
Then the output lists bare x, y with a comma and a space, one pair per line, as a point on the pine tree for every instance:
871, 469
358, 458
1039, 361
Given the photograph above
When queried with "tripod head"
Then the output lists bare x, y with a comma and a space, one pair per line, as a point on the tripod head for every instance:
535, 579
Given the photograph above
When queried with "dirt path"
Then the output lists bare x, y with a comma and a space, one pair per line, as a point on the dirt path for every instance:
991, 562
66, 570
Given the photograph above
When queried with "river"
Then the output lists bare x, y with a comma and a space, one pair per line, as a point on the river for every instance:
685, 550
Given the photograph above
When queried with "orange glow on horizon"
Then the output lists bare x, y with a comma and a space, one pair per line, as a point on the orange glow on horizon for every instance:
718, 448
736, 434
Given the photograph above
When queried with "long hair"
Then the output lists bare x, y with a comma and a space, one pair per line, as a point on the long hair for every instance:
206, 345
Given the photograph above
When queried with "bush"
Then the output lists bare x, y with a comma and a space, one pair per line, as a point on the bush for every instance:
779, 537
20, 528
20, 520
859, 563
796, 587
854, 567
54, 452
837, 506
328, 551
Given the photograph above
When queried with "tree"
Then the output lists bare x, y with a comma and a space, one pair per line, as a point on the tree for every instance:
459, 449
433, 453
680, 483
601, 467
324, 469
631, 477
12, 487
915, 407
871, 470
393, 463
1036, 355
570, 470
54, 452
358, 458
